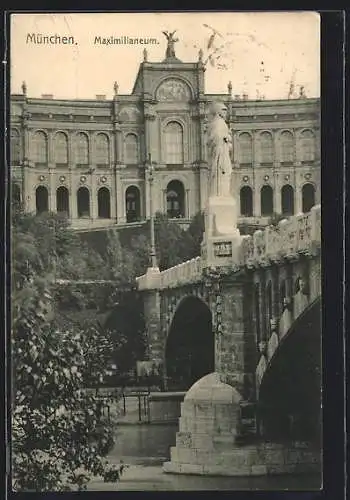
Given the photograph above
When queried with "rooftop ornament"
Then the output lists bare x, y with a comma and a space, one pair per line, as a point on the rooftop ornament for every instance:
170, 50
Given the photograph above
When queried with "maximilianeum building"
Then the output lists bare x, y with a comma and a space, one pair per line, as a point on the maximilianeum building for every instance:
90, 158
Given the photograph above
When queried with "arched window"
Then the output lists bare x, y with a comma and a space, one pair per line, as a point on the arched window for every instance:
62, 200
131, 149
41, 199
132, 202
175, 197
40, 148
266, 200
16, 195
15, 144
245, 149
246, 199
102, 149
308, 197
287, 198
266, 148
83, 199
307, 146
104, 203
287, 147
82, 149
257, 312
174, 148
61, 149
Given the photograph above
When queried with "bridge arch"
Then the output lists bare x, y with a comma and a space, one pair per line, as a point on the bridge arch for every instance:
190, 344
289, 397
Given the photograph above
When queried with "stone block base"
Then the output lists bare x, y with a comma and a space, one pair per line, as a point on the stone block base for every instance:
206, 443
246, 461
221, 240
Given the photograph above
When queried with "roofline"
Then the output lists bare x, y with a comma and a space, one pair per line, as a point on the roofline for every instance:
133, 97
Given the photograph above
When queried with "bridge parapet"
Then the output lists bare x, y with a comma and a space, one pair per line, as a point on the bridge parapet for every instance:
300, 234
297, 235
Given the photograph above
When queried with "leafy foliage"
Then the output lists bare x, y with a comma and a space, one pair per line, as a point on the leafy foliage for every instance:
59, 434
276, 218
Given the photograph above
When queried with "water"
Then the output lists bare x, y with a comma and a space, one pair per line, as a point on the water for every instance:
144, 444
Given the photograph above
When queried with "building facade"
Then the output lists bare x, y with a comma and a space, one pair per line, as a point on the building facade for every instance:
91, 158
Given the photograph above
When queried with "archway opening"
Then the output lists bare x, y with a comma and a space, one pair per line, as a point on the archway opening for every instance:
266, 201
62, 200
308, 197
190, 348
287, 198
83, 199
41, 199
104, 203
246, 199
175, 198
290, 393
132, 202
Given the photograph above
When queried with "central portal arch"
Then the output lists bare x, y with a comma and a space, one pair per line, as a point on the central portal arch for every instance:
190, 346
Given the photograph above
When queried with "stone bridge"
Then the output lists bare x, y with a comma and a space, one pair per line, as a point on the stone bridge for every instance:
256, 322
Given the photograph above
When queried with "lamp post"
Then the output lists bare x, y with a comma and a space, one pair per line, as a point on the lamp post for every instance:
153, 256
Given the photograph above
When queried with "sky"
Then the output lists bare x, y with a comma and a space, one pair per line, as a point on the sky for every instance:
260, 52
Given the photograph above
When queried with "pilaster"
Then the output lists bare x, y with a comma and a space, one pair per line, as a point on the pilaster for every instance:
120, 202
256, 146
150, 132
152, 315
73, 202
236, 350
235, 149
93, 198
257, 200
298, 200
203, 183
277, 202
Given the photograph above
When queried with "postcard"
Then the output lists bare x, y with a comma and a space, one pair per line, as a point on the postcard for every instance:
166, 232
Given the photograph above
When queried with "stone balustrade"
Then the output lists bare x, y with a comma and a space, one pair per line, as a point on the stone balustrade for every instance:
298, 234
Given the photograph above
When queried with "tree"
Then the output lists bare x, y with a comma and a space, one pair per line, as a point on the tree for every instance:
169, 242
276, 218
59, 434
194, 234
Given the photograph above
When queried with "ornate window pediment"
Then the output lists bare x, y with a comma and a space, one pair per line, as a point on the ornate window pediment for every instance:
173, 89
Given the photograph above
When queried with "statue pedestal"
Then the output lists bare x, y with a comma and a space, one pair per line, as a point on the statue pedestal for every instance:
222, 239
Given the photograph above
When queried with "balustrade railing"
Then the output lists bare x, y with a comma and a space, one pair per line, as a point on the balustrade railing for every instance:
298, 234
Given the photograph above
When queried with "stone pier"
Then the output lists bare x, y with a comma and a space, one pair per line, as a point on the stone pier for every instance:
206, 440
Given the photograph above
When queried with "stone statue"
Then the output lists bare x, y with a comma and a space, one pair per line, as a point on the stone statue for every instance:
24, 88
145, 55
116, 88
170, 50
219, 150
